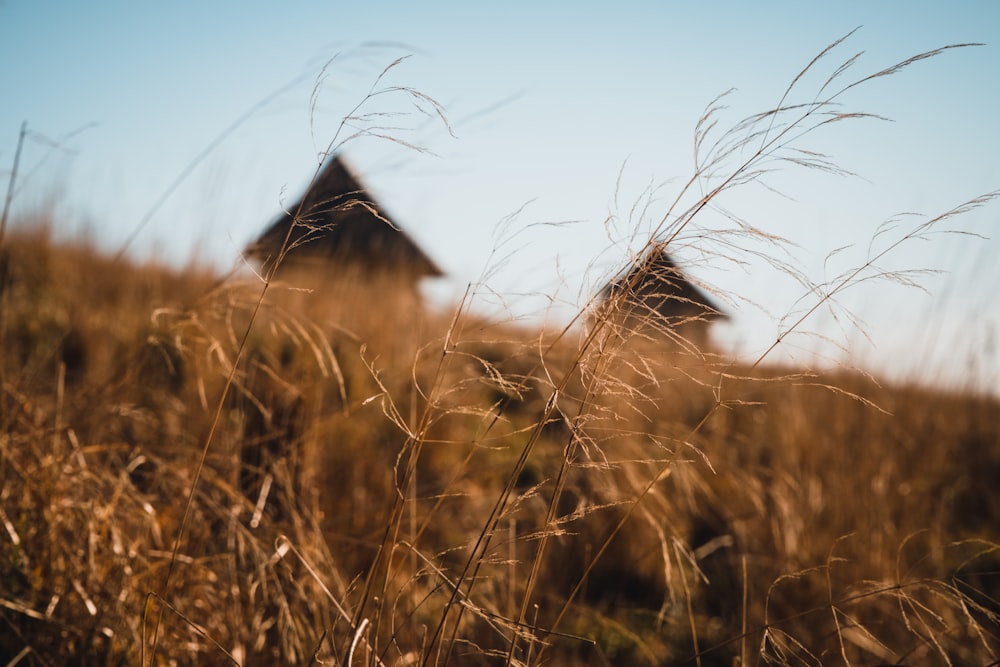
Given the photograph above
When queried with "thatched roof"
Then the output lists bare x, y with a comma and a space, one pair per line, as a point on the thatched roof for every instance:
656, 288
338, 223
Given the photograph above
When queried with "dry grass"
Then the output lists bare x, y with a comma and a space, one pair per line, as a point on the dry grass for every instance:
208, 472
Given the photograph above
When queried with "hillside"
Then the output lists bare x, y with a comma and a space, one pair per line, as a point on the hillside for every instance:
371, 483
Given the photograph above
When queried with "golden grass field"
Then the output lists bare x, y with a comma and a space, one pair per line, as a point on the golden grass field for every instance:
200, 470
457, 491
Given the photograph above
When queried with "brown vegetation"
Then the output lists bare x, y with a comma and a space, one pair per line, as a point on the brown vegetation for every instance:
344, 502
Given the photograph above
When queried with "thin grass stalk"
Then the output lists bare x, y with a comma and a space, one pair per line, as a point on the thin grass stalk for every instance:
9, 197
553, 504
267, 280
846, 281
4, 268
474, 562
217, 415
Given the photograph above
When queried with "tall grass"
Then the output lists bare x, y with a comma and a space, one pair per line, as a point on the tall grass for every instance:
247, 471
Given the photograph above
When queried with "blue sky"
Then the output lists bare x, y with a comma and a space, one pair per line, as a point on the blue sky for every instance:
559, 112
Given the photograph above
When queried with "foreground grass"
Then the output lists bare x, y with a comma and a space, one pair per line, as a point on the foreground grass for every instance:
348, 511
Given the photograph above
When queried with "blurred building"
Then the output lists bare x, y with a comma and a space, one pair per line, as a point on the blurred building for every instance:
337, 229
653, 298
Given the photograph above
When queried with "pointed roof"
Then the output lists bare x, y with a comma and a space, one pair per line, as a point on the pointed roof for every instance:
338, 222
656, 286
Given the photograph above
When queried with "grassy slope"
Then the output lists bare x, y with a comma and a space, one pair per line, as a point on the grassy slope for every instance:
361, 453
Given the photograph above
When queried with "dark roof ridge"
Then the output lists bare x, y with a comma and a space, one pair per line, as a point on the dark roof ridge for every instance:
336, 219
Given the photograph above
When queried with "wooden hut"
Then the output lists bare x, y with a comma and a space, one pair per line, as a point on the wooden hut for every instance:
654, 298
338, 229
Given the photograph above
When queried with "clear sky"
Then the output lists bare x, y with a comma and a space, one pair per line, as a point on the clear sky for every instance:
558, 112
